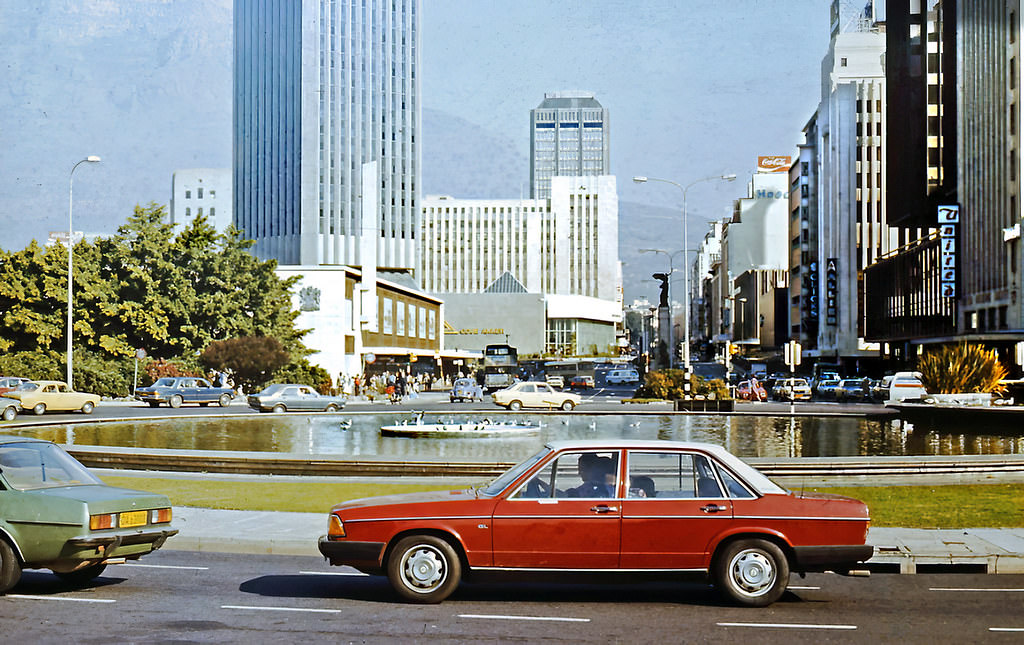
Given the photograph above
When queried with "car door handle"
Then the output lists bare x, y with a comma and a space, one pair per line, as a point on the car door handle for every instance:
713, 508
602, 508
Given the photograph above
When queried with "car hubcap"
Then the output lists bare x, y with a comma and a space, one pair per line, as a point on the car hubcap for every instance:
424, 568
753, 572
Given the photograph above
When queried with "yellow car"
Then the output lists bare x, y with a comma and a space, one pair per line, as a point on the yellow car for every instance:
55, 396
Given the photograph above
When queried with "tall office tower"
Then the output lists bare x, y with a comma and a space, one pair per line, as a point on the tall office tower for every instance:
568, 137
326, 102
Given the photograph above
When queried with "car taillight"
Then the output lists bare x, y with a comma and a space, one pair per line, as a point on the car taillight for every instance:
335, 529
105, 521
160, 516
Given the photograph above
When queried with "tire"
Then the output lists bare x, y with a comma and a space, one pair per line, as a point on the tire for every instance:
175, 401
88, 407
39, 408
10, 413
84, 576
751, 573
224, 400
204, 404
10, 568
424, 569
279, 408
515, 406
567, 406
331, 407
154, 404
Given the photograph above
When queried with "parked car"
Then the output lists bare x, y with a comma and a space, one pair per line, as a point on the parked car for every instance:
466, 389
52, 396
621, 376
825, 389
906, 385
614, 506
581, 382
792, 389
555, 381
55, 514
9, 409
8, 383
751, 390
285, 397
177, 390
534, 394
880, 390
852, 390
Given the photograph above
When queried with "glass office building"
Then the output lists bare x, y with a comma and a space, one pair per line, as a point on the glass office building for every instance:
568, 137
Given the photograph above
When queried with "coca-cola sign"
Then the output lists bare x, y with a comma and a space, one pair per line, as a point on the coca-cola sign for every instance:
773, 163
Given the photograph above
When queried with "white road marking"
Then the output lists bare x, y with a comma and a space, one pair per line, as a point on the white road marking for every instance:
66, 598
1006, 629
162, 566
973, 589
787, 625
803, 588
334, 573
258, 608
559, 619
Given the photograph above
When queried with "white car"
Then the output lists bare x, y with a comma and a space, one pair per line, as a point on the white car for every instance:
535, 394
906, 385
622, 376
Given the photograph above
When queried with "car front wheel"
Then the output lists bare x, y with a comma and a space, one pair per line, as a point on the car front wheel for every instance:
10, 413
10, 568
331, 408
88, 407
82, 576
224, 400
424, 569
279, 408
515, 406
752, 573
39, 408
567, 406
175, 401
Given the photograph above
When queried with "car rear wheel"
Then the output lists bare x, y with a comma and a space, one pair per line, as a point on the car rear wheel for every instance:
568, 406
39, 408
279, 408
82, 576
331, 408
224, 400
10, 413
88, 407
752, 573
10, 568
175, 401
515, 406
424, 569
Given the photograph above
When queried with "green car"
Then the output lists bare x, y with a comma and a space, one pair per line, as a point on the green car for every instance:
55, 514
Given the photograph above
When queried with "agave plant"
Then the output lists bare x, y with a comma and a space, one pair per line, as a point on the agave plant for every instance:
962, 368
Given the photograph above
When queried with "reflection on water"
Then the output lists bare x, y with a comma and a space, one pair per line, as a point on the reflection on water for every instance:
323, 435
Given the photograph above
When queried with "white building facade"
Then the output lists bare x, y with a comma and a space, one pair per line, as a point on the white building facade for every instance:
202, 191
326, 102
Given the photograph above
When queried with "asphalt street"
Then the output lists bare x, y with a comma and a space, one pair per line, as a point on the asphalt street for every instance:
176, 596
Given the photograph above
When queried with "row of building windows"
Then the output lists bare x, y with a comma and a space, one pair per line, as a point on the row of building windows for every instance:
199, 212
199, 193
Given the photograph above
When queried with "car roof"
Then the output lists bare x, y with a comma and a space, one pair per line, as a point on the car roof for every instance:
611, 444
6, 438
49, 382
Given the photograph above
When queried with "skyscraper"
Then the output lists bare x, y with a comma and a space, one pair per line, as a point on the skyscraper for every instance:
568, 137
326, 100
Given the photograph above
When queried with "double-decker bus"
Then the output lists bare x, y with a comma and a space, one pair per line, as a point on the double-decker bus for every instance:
501, 364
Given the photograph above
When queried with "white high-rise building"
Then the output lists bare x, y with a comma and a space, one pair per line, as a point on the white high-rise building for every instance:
326, 91
202, 191
568, 137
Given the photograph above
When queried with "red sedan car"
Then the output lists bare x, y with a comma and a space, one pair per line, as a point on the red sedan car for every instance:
607, 506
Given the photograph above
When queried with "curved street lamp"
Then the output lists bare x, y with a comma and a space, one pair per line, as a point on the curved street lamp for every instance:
686, 272
71, 246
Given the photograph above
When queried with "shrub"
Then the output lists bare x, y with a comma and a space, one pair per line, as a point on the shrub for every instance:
302, 371
39, 365
250, 359
159, 368
103, 375
961, 368
669, 384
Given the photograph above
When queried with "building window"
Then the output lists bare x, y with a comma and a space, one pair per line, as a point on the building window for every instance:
387, 305
188, 212
842, 62
188, 194
212, 212
199, 193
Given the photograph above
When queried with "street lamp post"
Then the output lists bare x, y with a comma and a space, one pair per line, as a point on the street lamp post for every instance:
686, 272
71, 246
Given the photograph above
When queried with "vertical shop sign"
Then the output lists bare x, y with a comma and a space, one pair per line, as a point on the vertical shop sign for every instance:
948, 220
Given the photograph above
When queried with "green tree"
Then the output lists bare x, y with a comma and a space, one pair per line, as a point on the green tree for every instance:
250, 359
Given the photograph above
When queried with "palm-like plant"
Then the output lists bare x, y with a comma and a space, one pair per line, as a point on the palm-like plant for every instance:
962, 368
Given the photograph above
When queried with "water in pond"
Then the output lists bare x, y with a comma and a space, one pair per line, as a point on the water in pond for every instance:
326, 435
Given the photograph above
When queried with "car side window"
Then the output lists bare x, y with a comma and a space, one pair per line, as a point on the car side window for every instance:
527, 388
574, 475
671, 475
735, 489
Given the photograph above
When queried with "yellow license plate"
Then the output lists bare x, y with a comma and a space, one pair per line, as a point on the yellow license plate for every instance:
133, 518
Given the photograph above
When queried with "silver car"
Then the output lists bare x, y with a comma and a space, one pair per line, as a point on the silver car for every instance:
282, 397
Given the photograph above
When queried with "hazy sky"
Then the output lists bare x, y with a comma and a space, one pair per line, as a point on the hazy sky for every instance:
695, 88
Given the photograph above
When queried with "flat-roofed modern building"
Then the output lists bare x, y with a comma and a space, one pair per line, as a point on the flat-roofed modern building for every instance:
326, 111
568, 137
197, 192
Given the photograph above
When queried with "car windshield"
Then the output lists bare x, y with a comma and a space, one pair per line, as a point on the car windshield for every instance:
502, 482
164, 382
33, 465
272, 389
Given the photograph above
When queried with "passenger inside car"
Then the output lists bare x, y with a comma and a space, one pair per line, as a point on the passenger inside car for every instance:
641, 486
598, 475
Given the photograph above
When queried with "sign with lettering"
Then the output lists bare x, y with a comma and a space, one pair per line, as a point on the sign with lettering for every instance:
775, 163
832, 292
948, 217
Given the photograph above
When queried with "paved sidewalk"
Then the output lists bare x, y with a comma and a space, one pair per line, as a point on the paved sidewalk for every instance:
896, 550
